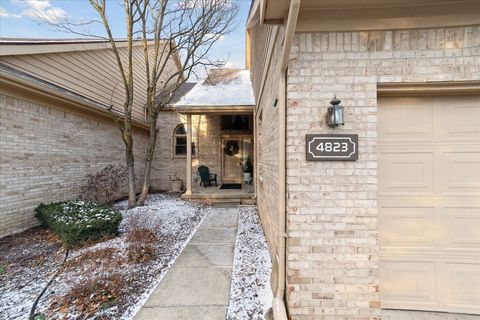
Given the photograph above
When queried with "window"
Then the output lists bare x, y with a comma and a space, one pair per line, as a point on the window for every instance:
236, 122
180, 141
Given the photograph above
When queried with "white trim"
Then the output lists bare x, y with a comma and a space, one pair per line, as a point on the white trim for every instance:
10, 48
331, 138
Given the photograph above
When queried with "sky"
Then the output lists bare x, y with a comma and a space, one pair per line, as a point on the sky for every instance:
19, 19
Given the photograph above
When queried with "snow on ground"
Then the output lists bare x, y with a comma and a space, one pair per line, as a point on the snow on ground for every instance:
171, 219
250, 292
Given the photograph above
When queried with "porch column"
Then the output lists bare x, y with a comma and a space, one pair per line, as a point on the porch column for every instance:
189, 155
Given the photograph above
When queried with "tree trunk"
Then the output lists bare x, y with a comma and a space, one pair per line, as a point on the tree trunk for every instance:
128, 139
148, 163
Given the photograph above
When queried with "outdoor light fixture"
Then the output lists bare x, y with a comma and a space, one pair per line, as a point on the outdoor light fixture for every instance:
335, 113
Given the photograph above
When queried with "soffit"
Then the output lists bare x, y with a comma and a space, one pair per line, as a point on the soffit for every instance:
341, 15
348, 15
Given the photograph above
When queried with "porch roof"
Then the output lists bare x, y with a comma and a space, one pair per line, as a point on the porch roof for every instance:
224, 91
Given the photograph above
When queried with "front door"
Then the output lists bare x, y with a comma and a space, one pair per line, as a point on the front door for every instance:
232, 154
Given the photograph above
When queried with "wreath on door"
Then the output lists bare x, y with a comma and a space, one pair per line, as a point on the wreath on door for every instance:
231, 148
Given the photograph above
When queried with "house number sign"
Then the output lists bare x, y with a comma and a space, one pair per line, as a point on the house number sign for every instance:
326, 147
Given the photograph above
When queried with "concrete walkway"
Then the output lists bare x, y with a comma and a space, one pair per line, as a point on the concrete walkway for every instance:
197, 286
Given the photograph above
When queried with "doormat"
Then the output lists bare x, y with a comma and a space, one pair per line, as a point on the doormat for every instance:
231, 186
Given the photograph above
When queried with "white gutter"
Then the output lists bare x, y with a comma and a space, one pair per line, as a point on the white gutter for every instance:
278, 304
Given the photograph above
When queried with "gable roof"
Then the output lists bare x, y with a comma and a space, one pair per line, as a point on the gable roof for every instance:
182, 91
83, 67
223, 89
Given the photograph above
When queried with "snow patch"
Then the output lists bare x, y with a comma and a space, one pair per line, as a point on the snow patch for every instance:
250, 292
235, 92
172, 219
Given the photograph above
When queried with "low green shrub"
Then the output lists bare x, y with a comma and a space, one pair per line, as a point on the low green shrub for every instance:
78, 221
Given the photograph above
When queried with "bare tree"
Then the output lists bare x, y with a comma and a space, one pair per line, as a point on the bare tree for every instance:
180, 30
188, 30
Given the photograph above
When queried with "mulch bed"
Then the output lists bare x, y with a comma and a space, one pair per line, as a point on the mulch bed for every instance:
107, 280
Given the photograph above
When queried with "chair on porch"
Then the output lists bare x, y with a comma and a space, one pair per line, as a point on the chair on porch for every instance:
206, 176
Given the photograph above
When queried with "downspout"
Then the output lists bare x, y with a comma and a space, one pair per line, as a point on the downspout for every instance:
278, 304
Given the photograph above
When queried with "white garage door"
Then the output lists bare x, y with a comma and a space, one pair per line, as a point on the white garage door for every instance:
429, 202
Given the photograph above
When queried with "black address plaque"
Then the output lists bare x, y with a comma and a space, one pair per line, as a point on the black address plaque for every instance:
328, 147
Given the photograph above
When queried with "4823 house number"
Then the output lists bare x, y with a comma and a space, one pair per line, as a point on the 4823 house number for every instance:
328, 147
332, 146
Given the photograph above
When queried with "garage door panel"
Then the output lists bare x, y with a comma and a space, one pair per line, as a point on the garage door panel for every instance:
398, 123
462, 172
461, 285
405, 172
460, 228
406, 227
459, 120
408, 282
429, 203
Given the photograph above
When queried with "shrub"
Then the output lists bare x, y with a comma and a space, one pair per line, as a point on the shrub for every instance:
95, 294
141, 246
92, 260
142, 242
105, 186
78, 221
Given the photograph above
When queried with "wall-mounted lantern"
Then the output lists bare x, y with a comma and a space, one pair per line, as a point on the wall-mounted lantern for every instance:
335, 113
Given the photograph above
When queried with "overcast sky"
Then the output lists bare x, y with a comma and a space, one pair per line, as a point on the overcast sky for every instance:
19, 19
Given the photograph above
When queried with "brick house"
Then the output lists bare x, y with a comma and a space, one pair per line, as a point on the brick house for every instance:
55, 128
398, 228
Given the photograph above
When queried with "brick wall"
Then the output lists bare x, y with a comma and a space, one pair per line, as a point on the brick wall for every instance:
267, 149
207, 137
45, 153
332, 249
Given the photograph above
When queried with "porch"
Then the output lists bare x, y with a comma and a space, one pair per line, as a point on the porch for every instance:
245, 195
222, 145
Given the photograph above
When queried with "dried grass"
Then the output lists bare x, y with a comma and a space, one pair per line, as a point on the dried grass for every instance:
106, 258
142, 241
92, 295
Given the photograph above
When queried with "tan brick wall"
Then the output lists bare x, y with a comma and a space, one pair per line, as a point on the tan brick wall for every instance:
267, 149
207, 136
332, 249
46, 152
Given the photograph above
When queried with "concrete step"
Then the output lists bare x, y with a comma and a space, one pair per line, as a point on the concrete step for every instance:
222, 202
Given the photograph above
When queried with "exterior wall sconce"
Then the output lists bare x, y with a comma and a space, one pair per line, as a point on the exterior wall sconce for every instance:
335, 113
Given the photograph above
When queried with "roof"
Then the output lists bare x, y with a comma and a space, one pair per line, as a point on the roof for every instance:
23, 46
223, 88
181, 91
84, 68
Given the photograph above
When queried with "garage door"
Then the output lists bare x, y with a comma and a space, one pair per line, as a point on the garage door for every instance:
429, 203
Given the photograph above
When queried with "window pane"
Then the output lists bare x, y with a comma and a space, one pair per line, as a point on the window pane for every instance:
181, 140
181, 130
235, 122
180, 150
